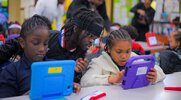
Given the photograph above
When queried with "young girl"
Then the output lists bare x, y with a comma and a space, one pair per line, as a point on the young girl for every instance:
107, 69
170, 60
34, 37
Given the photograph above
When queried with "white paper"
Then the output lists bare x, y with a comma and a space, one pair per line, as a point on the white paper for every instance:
124, 12
134, 2
116, 11
122, 2
159, 4
141, 70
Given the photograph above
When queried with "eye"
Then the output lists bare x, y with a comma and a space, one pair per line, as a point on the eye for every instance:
46, 43
128, 51
119, 52
35, 42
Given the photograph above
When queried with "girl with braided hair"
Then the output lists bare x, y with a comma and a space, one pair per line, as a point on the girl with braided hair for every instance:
15, 77
170, 60
107, 69
34, 38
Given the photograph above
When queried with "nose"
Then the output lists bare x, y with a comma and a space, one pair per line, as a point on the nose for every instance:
42, 48
123, 56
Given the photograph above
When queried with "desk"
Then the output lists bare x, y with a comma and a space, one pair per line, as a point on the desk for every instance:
147, 48
152, 92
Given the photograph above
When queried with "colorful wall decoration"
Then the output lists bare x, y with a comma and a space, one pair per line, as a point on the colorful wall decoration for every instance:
121, 11
3, 11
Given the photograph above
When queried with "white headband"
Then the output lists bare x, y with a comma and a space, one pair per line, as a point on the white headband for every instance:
14, 26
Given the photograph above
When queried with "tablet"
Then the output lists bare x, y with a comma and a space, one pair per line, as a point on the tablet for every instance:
136, 70
51, 79
151, 39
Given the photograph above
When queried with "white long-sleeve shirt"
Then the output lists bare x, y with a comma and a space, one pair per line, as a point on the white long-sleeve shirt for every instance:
51, 10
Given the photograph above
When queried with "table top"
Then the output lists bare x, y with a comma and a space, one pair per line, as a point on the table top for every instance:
115, 92
147, 48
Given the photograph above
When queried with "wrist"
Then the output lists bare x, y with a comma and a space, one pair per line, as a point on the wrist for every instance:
110, 80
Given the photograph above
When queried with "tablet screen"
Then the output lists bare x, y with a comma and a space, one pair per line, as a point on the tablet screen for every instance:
152, 40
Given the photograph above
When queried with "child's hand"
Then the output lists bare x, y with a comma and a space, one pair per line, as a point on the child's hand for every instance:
152, 75
81, 65
117, 78
76, 88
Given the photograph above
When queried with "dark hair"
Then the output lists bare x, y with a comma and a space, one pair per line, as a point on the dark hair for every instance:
177, 37
84, 19
2, 29
116, 36
116, 24
132, 31
32, 24
47, 21
15, 22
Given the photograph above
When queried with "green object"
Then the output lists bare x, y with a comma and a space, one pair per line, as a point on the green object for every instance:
121, 11
60, 99
4, 3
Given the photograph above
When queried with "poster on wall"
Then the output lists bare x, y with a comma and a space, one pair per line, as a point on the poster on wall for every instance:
121, 11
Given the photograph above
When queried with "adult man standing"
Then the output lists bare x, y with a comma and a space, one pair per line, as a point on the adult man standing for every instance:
144, 15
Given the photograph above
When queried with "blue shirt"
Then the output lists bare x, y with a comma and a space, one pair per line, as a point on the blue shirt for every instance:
15, 78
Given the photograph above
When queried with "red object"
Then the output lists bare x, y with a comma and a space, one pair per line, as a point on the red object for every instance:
2, 39
173, 88
98, 96
151, 39
137, 47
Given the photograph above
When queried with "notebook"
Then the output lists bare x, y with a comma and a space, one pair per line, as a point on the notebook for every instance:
136, 71
51, 79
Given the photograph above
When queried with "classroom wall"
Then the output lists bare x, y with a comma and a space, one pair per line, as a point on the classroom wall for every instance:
14, 10
109, 8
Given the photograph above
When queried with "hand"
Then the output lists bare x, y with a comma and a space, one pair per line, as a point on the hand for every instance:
152, 75
141, 12
76, 88
117, 78
81, 65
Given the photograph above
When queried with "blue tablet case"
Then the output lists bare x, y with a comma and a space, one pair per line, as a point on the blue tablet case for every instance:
51, 79
136, 71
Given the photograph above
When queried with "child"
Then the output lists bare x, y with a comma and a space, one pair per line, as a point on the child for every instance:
34, 37
107, 69
14, 28
137, 48
170, 60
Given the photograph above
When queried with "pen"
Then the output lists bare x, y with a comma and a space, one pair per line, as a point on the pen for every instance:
98, 96
174, 88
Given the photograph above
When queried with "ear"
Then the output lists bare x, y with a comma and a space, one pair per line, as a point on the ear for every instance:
75, 28
108, 49
22, 42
